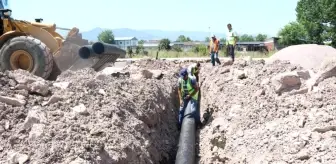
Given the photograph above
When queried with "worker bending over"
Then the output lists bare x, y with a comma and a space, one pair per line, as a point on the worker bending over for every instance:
231, 40
214, 47
193, 70
188, 92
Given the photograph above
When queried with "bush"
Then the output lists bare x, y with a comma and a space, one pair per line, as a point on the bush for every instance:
177, 49
200, 49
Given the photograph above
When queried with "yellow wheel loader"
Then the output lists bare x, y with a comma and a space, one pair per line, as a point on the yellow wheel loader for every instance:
39, 49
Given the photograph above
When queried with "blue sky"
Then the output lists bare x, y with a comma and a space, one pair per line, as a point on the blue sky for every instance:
246, 16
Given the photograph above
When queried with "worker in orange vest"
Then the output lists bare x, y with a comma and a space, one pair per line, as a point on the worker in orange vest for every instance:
214, 47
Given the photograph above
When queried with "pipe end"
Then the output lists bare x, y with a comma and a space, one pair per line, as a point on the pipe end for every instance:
98, 47
84, 52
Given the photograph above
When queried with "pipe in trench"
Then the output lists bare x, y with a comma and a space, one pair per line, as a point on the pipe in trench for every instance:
186, 147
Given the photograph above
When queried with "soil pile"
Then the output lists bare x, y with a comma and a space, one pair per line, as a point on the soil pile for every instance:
268, 114
88, 117
308, 56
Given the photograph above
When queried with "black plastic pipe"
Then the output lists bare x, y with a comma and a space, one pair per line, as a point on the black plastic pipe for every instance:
86, 52
186, 147
100, 49
104, 48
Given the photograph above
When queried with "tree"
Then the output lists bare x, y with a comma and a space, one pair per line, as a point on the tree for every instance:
164, 44
201, 49
141, 42
246, 38
182, 38
293, 34
177, 49
261, 37
223, 40
318, 19
106, 36
207, 39
139, 49
129, 51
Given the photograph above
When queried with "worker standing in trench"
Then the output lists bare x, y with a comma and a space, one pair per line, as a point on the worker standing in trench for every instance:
214, 47
188, 92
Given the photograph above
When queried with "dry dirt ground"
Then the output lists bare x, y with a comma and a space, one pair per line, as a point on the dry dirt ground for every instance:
269, 114
88, 117
278, 113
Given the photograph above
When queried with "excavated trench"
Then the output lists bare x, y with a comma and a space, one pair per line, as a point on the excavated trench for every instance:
130, 116
85, 116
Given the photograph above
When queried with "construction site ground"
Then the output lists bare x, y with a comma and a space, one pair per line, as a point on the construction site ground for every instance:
254, 112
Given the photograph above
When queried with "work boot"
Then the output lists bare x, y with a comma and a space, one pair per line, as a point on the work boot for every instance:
218, 61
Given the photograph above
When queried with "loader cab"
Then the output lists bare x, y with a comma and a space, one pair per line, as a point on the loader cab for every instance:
5, 14
38, 20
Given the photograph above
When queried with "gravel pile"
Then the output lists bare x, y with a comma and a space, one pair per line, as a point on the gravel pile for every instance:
272, 113
88, 117
309, 56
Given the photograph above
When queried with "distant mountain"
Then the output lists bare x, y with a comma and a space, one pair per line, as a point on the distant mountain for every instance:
123, 32
148, 34
173, 35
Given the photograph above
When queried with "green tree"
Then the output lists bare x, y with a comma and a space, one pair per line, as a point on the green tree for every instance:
106, 36
141, 42
318, 17
261, 37
200, 49
223, 40
164, 44
183, 38
293, 34
177, 48
129, 50
207, 39
246, 38
139, 49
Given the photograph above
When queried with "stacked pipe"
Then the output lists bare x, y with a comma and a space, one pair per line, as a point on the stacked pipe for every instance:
99, 49
105, 52
186, 147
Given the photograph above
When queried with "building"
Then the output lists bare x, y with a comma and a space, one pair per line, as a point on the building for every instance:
186, 46
125, 42
151, 44
270, 44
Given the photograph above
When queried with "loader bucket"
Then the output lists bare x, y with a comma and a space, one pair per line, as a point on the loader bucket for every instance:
69, 57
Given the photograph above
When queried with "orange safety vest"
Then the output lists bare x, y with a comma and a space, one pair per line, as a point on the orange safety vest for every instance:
214, 46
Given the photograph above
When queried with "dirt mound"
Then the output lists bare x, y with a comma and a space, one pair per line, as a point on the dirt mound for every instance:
86, 116
309, 56
264, 113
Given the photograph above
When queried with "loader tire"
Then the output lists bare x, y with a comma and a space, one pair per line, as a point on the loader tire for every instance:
27, 53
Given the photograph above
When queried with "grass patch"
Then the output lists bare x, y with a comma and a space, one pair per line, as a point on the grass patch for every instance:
190, 54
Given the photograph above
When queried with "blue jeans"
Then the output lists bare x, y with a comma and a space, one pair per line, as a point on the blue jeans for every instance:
194, 110
214, 58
